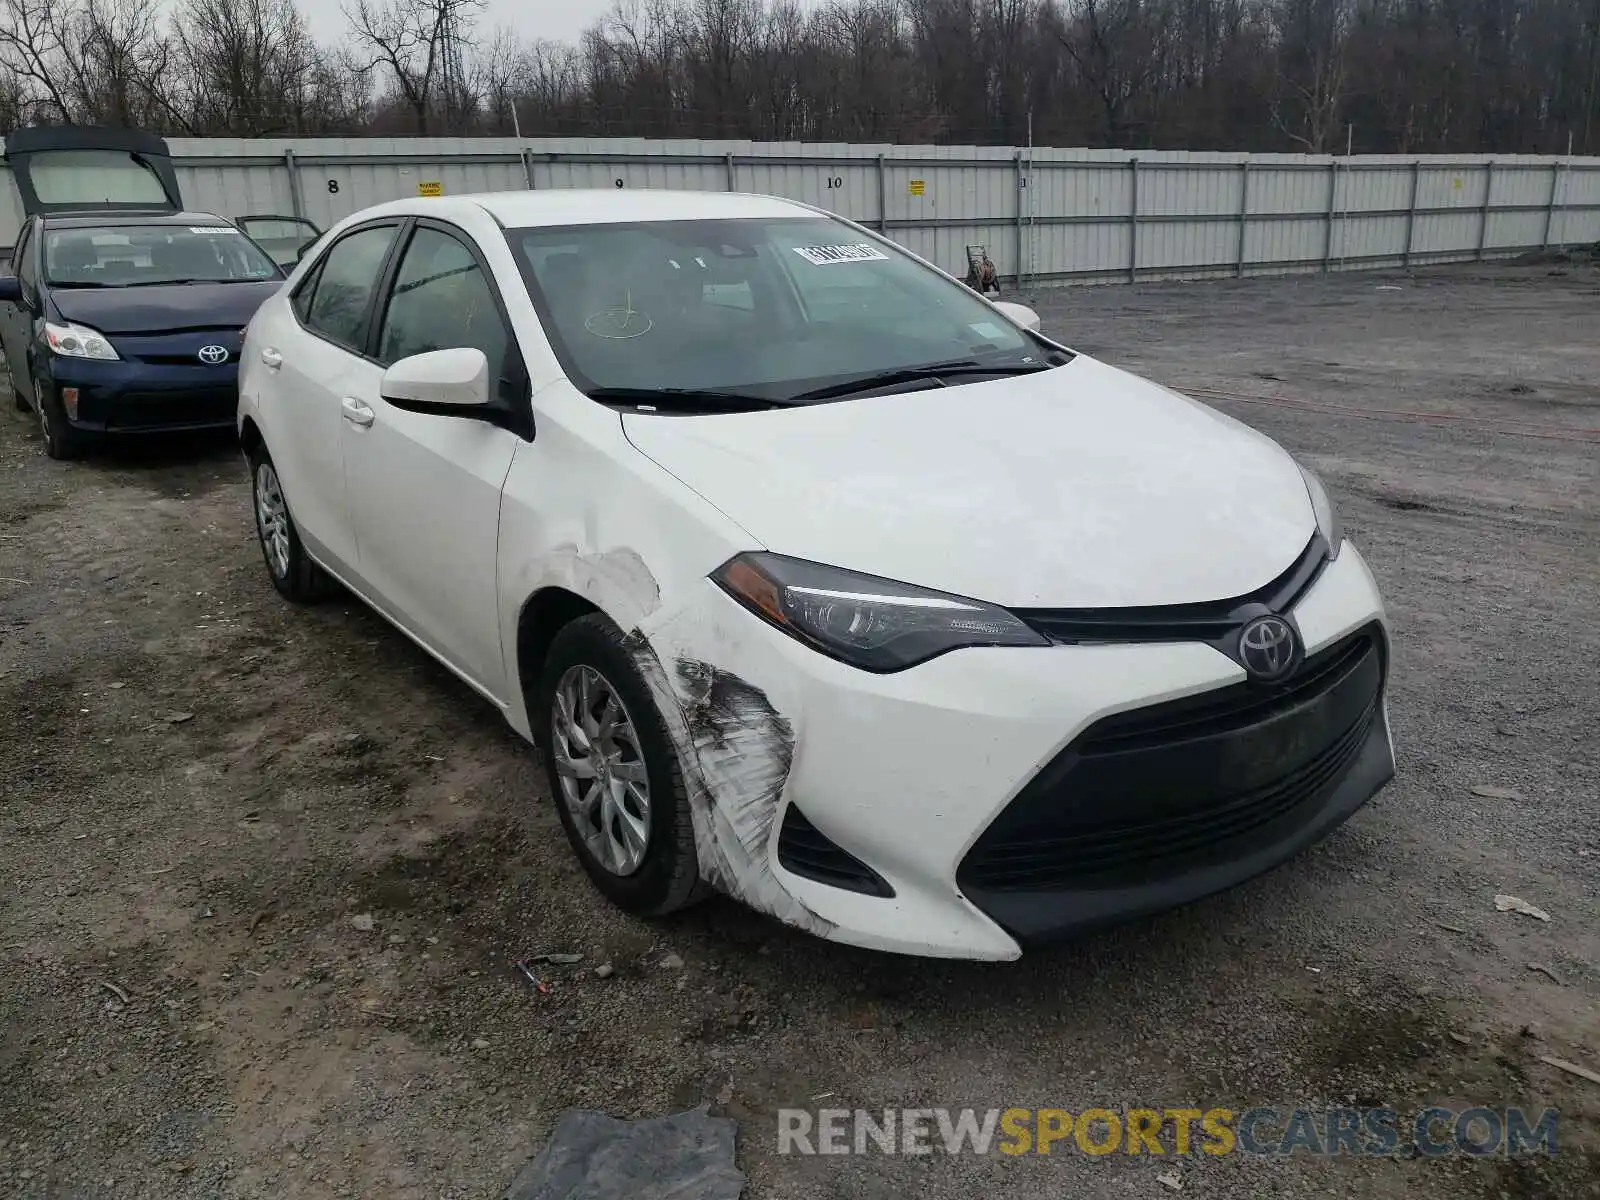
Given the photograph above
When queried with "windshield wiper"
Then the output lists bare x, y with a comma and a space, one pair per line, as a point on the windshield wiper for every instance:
680, 399
81, 283
172, 282
932, 371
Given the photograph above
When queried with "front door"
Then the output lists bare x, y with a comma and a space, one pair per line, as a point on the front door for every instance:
16, 320
425, 488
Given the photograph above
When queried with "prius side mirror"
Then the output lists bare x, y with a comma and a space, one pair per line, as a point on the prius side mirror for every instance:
450, 379
1020, 313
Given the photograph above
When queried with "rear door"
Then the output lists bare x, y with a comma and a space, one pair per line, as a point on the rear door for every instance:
284, 238
311, 359
424, 487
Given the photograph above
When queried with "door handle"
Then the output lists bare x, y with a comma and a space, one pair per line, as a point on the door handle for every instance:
356, 412
272, 358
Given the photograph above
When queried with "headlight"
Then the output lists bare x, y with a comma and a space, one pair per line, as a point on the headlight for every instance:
77, 341
871, 623
1327, 522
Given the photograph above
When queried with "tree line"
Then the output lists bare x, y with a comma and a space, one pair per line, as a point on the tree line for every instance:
1382, 76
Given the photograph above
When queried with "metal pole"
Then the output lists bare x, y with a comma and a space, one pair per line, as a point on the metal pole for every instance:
1483, 217
1333, 191
1244, 213
732, 181
1133, 222
296, 200
1550, 209
522, 151
1021, 184
883, 198
1411, 211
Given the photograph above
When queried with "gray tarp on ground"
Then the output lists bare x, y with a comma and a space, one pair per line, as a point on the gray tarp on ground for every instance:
591, 1156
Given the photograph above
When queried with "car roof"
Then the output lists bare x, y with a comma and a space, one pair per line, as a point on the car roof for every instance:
123, 216
601, 206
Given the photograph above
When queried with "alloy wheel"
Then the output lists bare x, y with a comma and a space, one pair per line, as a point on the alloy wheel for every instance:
272, 517
601, 768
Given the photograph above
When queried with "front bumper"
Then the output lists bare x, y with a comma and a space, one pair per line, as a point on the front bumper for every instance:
899, 783
133, 397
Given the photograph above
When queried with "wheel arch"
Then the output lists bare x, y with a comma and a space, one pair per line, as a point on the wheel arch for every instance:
250, 439
542, 616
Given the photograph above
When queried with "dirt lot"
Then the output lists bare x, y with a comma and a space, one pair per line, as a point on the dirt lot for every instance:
204, 788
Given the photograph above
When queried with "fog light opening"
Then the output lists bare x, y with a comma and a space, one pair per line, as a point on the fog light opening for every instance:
69, 401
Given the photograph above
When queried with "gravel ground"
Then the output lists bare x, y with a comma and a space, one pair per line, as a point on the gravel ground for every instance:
266, 871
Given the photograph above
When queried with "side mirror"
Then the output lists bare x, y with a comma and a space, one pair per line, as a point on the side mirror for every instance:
456, 378
10, 289
1020, 313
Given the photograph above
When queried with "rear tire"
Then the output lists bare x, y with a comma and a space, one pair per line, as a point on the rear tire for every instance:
293, 573
61, 441
647, 874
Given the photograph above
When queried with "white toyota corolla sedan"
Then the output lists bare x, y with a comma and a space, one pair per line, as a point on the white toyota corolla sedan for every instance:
817, 578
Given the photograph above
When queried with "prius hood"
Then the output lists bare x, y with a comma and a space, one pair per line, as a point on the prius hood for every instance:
1078, 487
164, 309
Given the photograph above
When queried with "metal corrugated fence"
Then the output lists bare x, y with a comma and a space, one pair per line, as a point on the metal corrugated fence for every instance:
1045, 215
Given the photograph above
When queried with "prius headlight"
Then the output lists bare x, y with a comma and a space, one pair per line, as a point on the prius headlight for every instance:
871, 623
1327, 520
77, 341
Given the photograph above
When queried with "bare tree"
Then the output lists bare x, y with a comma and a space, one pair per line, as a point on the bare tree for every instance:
421, 44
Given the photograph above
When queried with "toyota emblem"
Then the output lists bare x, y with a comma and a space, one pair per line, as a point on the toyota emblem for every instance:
1268, 648
213, 354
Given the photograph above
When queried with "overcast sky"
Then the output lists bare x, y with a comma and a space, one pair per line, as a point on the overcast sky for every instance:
555, 20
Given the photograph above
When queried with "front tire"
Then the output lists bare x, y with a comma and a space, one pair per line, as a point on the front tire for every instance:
61, 441
613, 772
293, 573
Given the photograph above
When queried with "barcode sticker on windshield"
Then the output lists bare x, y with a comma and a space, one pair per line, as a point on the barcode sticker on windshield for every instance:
827, 256
206, 228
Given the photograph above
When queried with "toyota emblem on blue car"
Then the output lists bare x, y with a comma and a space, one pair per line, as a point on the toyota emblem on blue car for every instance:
213, 354
1268, 648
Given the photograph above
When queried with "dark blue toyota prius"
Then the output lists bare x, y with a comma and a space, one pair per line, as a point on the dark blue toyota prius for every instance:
120, 312
123, 323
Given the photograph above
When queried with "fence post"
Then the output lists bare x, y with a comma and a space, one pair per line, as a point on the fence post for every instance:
1133, 222
527, 166
1017, 164
296, 200
1550, 209
1411, 211
1327, 234
1244, 213
1483, 216
883, 199
732, 180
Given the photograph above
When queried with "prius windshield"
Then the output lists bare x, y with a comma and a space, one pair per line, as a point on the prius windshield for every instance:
771, 309
146, 255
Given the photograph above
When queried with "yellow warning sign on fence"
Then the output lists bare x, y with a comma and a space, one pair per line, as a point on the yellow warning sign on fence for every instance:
431, 187
916, 187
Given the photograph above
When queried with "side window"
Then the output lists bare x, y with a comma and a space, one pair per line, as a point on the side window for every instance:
302, 296
345, 283
442, 301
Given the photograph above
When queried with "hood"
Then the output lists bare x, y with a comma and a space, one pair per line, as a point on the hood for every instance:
1080, 487
163, 309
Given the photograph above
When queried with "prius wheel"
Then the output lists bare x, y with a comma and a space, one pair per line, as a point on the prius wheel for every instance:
613, 772
293, 573
61, 440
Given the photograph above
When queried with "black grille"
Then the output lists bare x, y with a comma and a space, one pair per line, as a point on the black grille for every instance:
1212, 621
1156, 791
808, 852
153, 410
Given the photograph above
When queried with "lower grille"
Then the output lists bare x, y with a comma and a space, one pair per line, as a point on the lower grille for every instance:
809, 853
152, 410
1160, 790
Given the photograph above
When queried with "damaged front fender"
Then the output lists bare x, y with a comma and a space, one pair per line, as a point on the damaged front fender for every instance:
735, 750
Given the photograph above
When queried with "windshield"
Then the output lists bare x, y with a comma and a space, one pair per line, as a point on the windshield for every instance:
144, 255
775, 308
